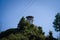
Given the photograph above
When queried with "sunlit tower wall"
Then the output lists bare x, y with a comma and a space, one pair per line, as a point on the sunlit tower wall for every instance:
30, 19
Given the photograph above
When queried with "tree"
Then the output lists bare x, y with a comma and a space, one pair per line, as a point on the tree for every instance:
56, 23
50, 36
21, 23
40, 29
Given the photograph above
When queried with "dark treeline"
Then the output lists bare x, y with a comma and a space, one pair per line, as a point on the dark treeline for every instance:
26, 30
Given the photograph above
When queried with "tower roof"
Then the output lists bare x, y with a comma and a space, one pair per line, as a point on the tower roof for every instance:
29, 17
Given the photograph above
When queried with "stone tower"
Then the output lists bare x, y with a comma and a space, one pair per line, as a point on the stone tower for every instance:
30, 19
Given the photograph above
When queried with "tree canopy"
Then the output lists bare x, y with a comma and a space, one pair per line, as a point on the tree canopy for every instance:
25, 31
56, 23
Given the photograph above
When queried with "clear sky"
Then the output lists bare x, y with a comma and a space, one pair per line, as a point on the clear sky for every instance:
44, 12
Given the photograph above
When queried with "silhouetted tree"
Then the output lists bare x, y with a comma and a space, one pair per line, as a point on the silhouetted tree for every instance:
21, 23
57, 22
40, 29
50, 37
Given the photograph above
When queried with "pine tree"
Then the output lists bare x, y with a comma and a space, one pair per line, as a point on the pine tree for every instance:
57, 22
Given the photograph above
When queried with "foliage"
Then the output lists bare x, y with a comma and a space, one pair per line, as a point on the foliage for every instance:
21, 23
57, 22
4, 38
50, 37
25, 31
12, 37
40, 29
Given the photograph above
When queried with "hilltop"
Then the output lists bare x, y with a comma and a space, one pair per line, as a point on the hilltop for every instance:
25, 30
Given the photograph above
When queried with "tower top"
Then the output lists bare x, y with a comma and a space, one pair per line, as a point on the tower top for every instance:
29, 17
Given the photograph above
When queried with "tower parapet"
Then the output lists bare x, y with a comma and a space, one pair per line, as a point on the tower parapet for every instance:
30, 19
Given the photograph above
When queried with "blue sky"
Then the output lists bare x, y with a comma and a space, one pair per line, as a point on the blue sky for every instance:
44, 12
